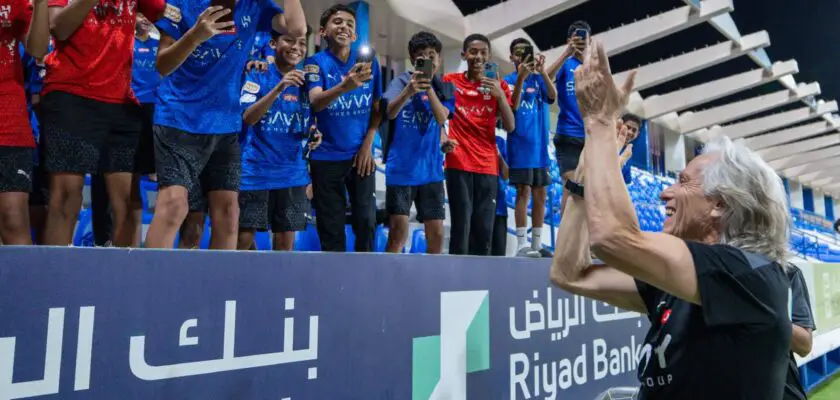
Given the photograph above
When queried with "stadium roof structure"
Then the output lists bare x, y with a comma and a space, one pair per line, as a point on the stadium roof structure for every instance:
698, 74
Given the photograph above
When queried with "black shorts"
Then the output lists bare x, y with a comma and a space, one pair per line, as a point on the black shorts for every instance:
568, 151
533, 177
82, 135
283, 210
428, 198
144, 160
16, 164
199, 163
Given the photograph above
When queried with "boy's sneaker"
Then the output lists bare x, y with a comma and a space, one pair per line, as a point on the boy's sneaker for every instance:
545, 253
528, 252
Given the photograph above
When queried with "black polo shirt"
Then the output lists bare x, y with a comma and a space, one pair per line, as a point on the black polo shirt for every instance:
735, 346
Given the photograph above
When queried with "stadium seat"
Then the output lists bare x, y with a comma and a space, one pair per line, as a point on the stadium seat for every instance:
83, 236
380, 242
263, 240
308, 239
418, 241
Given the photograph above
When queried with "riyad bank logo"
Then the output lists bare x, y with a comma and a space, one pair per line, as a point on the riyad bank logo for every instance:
440, 364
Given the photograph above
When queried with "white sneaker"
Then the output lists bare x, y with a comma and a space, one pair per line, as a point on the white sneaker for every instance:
528, 252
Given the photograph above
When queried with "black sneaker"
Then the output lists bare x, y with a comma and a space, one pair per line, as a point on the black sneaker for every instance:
546, 253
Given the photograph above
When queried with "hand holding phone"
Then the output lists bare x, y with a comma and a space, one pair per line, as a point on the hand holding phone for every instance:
210, 23
426, 67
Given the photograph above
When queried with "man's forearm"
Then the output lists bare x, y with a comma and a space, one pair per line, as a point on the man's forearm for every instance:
571, 250
610, 213
293, 18
255, 111
440, 111
172, 56
65, 20
551, 89
38, 38
555, 67
801, 341
395, 105
516, 97
320, 101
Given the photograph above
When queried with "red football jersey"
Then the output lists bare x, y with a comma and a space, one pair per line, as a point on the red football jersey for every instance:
474, 126
95, 61
15, 130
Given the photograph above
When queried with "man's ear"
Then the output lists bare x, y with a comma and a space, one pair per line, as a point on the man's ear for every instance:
719, 209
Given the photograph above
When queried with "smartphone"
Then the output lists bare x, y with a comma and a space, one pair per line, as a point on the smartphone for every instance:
582, 33
527, 54
229, 4
426, 67
306, 149
365, 55
491, 70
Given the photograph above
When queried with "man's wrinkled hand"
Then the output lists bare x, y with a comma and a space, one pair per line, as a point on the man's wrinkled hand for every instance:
599, 98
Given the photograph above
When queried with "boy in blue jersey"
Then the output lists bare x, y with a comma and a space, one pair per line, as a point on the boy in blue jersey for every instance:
414, 168
344, 90
633, 124
498, 245
274, 169
569, 138
528, 143
198, 118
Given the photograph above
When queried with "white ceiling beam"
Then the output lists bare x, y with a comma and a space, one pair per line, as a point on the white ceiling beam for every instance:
819, 166
823, 182
787, 135
805, 158
658, 105
789, 149
691, 121
511, 15
659, 72
644, 31
765, 124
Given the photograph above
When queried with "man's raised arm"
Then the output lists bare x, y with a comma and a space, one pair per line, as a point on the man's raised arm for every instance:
292, 20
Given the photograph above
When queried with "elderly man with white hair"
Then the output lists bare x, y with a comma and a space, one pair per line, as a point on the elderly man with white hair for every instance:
712, 283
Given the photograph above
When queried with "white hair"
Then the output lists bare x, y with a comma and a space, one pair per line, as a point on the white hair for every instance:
756, 216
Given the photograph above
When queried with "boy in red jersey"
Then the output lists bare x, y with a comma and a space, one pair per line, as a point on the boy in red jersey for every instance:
472, 169
92, 121
22, 22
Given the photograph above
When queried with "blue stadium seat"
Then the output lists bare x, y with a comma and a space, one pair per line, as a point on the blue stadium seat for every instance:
351, 238
263, 240
83, 236
418, 241
380, 242
308, 239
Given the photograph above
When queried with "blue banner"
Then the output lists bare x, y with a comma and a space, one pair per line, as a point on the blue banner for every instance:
144, 324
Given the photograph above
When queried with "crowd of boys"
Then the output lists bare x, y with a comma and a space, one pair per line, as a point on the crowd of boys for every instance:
225, 111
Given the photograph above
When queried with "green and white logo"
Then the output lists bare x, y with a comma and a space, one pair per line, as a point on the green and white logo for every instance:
440, 364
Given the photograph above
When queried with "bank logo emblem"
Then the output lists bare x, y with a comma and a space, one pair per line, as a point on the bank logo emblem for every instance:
440, 364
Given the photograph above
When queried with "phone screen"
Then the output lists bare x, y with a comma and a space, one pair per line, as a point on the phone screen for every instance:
365, 55
582, 33
229, 4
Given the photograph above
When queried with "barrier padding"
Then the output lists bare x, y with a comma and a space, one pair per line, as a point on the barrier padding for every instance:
111, 324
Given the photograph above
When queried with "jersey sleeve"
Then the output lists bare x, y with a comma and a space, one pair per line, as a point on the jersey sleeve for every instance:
801, 314
23, 19
395, 88
508, 94
152, 9
732, 291
313, 74
268, 10
251, 91
172, 23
